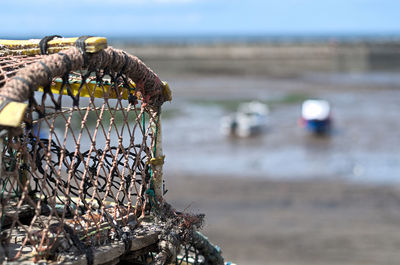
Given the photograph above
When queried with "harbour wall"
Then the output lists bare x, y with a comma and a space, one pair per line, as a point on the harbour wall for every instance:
275, 59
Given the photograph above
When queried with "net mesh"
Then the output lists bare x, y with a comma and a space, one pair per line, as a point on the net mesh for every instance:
79, 171
9, 65
81, 178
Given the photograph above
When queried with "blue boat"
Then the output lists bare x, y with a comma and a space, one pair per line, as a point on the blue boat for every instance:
316, 116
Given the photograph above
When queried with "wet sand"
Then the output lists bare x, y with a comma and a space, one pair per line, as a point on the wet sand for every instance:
339, 205
258, 221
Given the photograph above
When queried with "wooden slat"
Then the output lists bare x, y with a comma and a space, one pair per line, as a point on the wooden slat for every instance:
12, 114
31, 47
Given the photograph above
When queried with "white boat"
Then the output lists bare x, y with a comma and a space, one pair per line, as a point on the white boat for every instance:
250, 119
316, 116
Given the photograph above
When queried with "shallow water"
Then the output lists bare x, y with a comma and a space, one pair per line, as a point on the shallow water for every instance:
363, 146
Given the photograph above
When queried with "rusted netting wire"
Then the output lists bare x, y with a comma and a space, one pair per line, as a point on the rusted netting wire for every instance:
21, 86
10, 65
76, 174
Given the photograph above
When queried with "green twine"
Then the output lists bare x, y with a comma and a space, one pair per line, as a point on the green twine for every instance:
152, 196
144, 121
150, 191
155, 139
10, 168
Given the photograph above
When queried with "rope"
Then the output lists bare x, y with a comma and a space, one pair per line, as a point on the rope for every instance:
80, 44
59, 65
43, 44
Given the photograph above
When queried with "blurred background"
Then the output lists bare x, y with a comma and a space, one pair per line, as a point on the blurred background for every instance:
292, 183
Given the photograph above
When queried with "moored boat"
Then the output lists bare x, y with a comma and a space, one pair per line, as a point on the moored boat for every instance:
316, 116
250, 119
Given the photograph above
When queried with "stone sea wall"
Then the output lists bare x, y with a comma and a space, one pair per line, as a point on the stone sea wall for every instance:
272, 58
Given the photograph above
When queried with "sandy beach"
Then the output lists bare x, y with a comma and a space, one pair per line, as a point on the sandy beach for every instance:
258, 221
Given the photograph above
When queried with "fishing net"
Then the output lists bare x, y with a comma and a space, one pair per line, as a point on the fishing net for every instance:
81, 174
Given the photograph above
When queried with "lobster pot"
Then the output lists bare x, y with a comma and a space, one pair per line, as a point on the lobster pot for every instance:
76, 171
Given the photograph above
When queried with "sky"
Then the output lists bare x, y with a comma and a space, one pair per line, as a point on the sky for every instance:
130, 18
